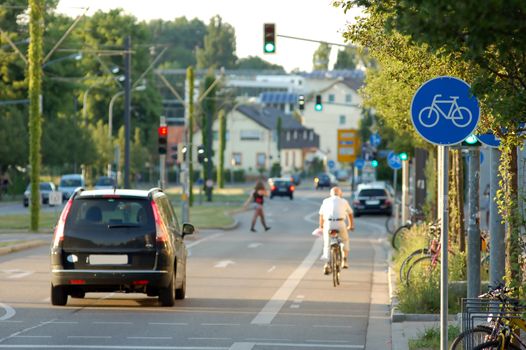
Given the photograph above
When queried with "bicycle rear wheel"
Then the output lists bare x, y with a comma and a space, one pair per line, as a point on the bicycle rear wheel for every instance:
420, 267
398, 235
335, 265
470, 338
407, 261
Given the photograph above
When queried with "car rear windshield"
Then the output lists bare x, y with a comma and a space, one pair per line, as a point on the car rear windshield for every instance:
108, 181
282, 183
110, 214
372, 192
45, 187
70, 183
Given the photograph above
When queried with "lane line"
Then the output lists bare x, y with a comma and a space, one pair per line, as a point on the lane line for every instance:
9, 312
272, 268
33, 336
193, 244
274, 305
242, 346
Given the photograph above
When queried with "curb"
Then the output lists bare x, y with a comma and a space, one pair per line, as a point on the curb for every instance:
22, 246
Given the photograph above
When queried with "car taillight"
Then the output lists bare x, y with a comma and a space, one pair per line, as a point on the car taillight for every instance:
58, 235
273, 188
388, 202
292, 188
161, 235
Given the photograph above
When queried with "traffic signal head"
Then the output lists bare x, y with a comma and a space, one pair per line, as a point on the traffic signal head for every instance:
301, 102
200, 154
318, 106
471, 141
374, 163
269, 38
403, 156
175, 154
162, 132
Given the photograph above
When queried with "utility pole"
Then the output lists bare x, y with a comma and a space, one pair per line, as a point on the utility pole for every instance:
405, 191
473, 226
127, 110
497, 257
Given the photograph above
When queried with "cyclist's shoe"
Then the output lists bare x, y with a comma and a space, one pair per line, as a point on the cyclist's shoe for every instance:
345, 263
253, 229
267, 228
326, 269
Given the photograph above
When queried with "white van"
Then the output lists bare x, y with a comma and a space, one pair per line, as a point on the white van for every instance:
69, 183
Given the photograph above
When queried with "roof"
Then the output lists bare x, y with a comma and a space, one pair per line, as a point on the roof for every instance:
268, 117
118, 192
278, 97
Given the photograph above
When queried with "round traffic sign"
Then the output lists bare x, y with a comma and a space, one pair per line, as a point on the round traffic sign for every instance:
331, 164
443, 111
489, 139
375, 139
394, 161
359, 163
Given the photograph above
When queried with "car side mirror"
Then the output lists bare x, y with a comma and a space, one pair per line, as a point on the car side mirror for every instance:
188, 229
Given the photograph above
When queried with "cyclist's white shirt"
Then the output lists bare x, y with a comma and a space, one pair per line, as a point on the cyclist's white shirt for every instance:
335, 207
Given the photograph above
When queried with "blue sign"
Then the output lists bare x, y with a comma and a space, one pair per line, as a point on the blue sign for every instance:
394, 160
331, 164
359, 163
443, 111
375, 140
489, 139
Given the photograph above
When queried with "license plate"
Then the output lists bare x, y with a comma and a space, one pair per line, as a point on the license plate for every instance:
108, 259
376, 202
283, 190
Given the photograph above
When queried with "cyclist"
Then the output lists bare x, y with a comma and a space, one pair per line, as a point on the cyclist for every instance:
334, 212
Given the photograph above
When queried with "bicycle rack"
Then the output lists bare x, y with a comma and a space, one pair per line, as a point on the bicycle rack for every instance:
476, 311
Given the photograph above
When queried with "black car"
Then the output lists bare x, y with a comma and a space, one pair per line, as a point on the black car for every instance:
119, 240
372, 200
282, 187
324, 180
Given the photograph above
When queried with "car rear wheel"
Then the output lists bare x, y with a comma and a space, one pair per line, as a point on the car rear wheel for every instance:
59, 296
167, 294
180, 293
291, 196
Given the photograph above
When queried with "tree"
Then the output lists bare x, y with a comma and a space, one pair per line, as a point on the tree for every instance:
346, 59
256, 63
219, 46
320, 59
208, 109
279, 127
221, 149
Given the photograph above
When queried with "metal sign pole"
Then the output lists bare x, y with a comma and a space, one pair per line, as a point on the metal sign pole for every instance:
443, 153
395, 204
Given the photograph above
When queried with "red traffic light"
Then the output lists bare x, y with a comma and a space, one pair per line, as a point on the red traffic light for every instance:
162, 131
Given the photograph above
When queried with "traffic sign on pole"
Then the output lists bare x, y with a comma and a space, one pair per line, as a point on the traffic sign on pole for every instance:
394, 161
444, 112
375, 139
331, 163
359, 163
489, 139
348, 145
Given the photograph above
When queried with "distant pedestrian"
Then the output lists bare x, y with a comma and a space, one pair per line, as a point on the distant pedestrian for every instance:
484, 206
255, 201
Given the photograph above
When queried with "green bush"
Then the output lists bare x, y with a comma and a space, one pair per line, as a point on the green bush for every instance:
430, 338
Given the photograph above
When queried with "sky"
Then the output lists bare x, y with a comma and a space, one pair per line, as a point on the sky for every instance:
310, 19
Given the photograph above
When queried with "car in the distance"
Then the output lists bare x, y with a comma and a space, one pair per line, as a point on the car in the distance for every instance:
282, 187
295, 178
370, 198
69, 183
104, 183
119, 241
45, 189
325, 180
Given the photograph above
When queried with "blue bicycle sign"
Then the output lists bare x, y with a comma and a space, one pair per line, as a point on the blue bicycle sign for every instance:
444, 111
460, 116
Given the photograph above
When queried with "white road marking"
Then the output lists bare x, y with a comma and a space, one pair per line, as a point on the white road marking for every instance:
89, 336
220, 324
224, 263
254, 245
111, 322
193, 244
270, 310
150, 338
167, 324
294, 306
33, 336
9, 312
64, 322
16, 273
272, 268
46, 300
242, 346
309, 217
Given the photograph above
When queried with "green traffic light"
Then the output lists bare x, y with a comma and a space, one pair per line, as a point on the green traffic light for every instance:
270, 48
374, 163
403, 156
471, 140
318, 107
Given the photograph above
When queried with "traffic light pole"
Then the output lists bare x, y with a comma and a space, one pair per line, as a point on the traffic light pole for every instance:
405, 191
127, 111
162, 161
473, 257
497, 257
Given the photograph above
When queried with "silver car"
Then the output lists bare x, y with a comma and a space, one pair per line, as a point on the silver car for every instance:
45, 189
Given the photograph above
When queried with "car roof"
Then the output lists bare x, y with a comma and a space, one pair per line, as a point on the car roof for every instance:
118, 192
71, 176
371, 185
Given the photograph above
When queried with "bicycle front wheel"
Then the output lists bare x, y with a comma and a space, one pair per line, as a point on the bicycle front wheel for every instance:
398, 235
422, 266
428, 117
407, 261
470, 338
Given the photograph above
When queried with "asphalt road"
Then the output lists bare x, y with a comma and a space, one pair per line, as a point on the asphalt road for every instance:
245, 291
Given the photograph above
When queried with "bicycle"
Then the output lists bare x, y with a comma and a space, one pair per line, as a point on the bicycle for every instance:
460, 116
416, 217
336, 255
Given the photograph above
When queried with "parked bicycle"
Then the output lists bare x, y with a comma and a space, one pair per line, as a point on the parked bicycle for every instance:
416, 217
336, 256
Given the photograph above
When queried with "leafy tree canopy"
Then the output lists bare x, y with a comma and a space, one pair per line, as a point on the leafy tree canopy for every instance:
219, 46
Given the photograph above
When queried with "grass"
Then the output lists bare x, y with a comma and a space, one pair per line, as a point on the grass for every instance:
48, 220
9, 243
220, 196
430, 338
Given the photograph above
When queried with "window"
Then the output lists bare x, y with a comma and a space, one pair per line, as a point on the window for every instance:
250, 135
236, 158
295, 134
261, 160
311, 136
304, 134
348, 98
286, 158
342, 120
331, 97
288, 135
